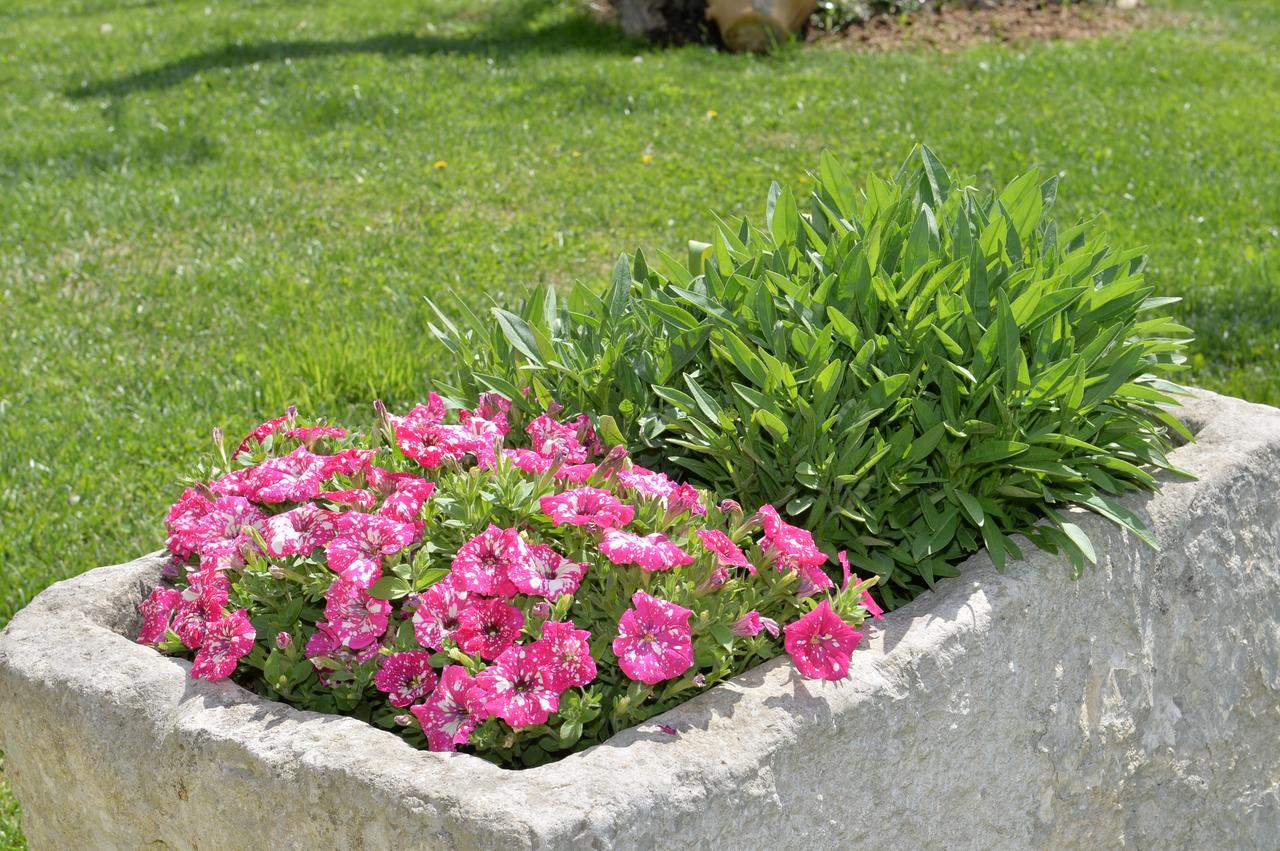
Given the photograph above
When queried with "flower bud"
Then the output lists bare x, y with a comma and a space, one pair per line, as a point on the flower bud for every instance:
587, 435
684, 498
284, 640
732, 512
700, 680
276, 571
172, 568
492, 404
404, 720
612, 462
217, 438
751, 623
542, 609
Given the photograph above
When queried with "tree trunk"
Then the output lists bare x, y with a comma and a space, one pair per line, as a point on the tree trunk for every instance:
666, 21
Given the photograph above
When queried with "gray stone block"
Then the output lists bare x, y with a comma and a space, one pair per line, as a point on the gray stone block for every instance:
1137, 707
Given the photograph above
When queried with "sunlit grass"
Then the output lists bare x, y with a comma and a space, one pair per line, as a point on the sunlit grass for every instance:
211, 210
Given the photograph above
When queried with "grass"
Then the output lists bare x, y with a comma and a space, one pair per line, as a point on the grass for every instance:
210, 210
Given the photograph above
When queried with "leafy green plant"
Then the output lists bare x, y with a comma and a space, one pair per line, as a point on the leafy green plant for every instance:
913, 371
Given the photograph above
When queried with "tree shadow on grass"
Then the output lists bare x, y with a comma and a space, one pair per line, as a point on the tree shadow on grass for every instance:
578, 33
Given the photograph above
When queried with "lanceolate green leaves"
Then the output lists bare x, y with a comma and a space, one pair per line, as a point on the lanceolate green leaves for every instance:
913, 369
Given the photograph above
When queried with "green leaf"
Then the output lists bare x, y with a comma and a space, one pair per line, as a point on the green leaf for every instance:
773, 424
389, 588
705, 403
518, 334
937, 179
1080, 539
782, 216
746, 361
971, 507
988, 451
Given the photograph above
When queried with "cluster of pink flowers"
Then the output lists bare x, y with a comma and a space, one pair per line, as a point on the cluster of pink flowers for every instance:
468, 580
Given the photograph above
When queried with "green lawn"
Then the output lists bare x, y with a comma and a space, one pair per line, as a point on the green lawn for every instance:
210, 210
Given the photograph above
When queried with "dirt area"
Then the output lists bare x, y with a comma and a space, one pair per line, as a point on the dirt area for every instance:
954, 28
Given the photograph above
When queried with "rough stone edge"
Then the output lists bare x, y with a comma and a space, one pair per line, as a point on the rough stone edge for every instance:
639, 777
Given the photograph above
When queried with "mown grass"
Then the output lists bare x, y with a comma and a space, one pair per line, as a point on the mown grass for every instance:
211, 210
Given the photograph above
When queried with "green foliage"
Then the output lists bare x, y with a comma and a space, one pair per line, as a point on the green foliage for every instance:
914, 371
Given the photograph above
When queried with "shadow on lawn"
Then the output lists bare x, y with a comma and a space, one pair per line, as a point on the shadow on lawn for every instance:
580, 33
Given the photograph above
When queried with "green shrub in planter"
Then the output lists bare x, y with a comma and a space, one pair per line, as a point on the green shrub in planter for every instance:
914, 370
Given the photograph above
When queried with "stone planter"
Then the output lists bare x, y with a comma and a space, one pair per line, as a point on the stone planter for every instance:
1138, 706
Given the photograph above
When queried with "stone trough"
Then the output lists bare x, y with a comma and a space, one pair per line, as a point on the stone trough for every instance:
1138, 707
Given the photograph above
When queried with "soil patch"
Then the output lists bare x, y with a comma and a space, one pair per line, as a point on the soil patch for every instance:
956, 28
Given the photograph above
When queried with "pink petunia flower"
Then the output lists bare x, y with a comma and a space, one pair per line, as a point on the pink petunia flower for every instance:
423, 416
726, 551
652, 552
210, 587
356, 619
324, 649
452, 711
528, 461
260, 433
243, 483
354, 497
432, 445
183, 521
552, 439
299, 531
351, 462
486, 628
207, 591
575, 473
868, 602
820, 644
546, 573
406, 500
406, 677
482, 563
311, 435
356, 552
492, 431
654, 640
646, 482
383, 482
593, 507
568, 651
156, 611
518, 687
226, 639
295, 477
189, 622
224, 531
792, 548
436, 617
752, 623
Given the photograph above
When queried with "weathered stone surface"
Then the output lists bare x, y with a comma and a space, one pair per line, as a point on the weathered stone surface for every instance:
1137, 707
